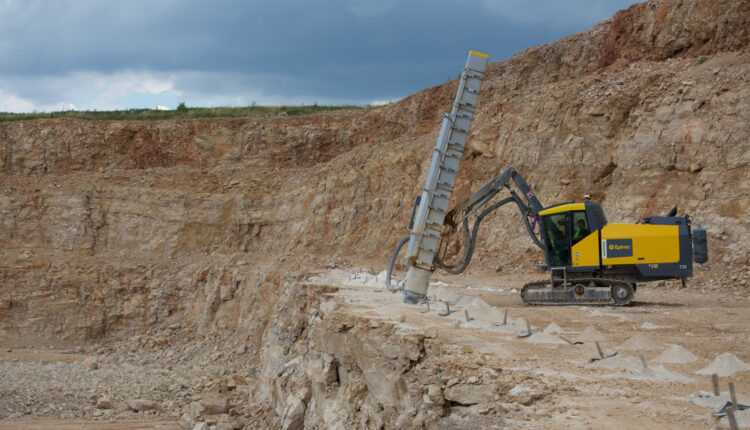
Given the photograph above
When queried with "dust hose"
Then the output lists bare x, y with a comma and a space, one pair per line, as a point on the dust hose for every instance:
388, 285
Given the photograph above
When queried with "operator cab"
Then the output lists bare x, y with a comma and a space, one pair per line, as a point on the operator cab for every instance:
565, 225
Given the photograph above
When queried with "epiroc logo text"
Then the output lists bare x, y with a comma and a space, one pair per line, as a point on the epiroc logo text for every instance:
613, 248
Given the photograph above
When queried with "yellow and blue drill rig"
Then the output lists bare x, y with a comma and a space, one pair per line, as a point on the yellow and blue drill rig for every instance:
590, 261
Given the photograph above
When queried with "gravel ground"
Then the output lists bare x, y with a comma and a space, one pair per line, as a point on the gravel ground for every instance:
133, 380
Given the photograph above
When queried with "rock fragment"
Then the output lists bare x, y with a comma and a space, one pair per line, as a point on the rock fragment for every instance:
294, 416
470, 394
195, 410
431, 332
434, 395
187, 422
104, 403
90, 363
235, 380
141, 405
215, 403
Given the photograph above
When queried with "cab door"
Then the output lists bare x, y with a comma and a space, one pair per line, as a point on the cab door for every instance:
557, 230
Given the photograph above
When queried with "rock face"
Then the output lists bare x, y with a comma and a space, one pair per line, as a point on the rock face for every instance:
342, 372
114, 229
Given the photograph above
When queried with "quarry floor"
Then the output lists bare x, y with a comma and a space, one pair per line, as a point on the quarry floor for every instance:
563, 387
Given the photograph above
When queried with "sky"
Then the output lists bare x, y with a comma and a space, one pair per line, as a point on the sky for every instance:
113, 54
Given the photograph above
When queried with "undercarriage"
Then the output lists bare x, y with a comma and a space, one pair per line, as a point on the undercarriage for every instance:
581, 291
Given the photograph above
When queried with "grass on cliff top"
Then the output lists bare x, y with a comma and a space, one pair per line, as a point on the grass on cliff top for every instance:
182, 112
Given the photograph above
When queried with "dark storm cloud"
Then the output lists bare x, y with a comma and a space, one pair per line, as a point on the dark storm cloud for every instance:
356, 50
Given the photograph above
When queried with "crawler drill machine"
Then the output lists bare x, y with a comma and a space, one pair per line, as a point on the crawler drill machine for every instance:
590, 261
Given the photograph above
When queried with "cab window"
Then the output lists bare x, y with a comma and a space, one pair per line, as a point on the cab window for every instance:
580, 226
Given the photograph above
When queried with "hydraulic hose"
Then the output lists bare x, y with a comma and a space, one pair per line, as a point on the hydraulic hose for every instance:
521, 206
470, 239
388, 285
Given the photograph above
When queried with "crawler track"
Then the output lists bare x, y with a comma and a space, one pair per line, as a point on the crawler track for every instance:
585, 291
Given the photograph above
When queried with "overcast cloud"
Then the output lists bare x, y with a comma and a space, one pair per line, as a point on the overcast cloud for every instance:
114, 54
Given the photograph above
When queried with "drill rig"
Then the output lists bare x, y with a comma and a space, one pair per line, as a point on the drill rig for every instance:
590, 261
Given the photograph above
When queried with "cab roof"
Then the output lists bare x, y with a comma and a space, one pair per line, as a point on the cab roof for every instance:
565, 207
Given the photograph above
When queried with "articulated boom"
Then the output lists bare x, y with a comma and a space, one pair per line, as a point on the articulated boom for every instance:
490, 189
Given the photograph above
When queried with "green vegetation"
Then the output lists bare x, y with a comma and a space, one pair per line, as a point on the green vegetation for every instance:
182, 112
